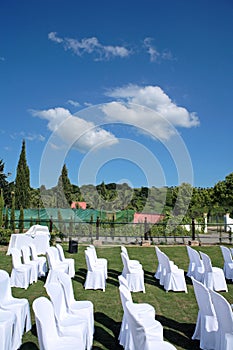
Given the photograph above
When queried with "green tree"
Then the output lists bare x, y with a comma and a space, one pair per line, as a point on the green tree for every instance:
21, 219
67, 187
22, 181
12, 220
1, 207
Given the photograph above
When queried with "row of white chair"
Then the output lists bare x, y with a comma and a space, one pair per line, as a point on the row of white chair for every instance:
15, 316
169, 275
227, 254
200, 267
132, 272
63, 322
58, 262
139, 329
27, 266
97, 270
214, 325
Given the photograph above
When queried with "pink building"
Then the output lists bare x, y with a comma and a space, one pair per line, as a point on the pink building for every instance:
81, 205
150, 218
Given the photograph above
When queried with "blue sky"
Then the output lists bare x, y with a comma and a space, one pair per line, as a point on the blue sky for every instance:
120, 91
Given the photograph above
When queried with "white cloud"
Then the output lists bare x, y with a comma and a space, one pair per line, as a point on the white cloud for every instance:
73, 130
158, 116
73, 103
154, 54
90, 46
27, 136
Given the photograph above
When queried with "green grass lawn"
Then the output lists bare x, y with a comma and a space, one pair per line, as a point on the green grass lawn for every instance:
177, 311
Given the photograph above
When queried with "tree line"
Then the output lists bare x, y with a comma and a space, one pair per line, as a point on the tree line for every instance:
178, 200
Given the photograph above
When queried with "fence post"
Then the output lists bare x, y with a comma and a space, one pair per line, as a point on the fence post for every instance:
193, 229
146, 229
97, 228
51, 224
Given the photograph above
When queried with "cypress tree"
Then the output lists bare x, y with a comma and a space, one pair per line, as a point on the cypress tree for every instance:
67, 187
1, 207
22, 181
6, 218
12, 220
21, 219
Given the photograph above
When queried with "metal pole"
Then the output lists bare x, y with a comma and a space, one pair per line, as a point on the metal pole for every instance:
193, 230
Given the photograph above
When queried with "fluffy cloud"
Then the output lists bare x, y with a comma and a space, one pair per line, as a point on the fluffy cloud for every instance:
90, 46
149, 108
154, 54
75, 131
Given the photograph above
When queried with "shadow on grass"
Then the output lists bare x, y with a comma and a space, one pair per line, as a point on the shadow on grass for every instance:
113, 277
177, 333
105, 337
149, 278
80, 276
29, 346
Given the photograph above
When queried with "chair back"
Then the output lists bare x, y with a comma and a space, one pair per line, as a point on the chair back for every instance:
125, 262
66, 282
223, 312
52, 257
165, 262
60, 252
16, 257
123, 281
57, 297
125, 251
136, 327
206, 262
33, 251
203, 298
226, 253
89, 260
45, 322
125, 296
5, 290
196, 258
26, 254
92, 247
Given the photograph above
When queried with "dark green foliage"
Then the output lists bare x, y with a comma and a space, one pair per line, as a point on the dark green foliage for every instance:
12, 220
1, 207
21, 220
5, 235
22, 181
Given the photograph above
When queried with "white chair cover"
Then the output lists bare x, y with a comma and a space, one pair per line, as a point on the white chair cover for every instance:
95, 278
83, 308
34, 264
41, 260
173, 276
158, 273
214, 276
125, 336
19, 307
67, 324
131, 262
228, 262
122, 281
54, 262
21, 275
147, 333
206, 324
69, 261
196, 267
133, 274
224, 336
101, 261
7, 323
48, 336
